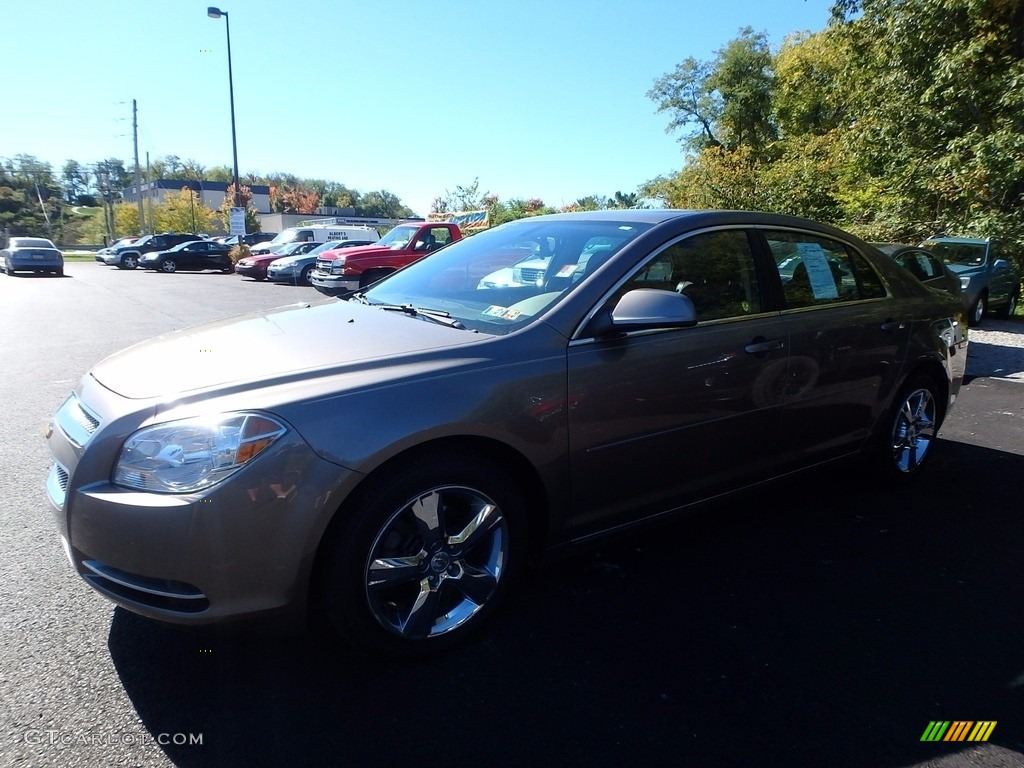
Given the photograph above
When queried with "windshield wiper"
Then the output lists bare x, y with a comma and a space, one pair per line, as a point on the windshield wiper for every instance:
436, 315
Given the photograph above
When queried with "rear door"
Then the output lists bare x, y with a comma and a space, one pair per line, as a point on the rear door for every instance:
668, 414
846, 337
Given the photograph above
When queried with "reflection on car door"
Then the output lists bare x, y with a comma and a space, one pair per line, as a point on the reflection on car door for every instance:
668, 414
844, 343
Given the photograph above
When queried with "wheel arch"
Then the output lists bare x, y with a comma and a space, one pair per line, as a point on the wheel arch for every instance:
934, 370
523, 473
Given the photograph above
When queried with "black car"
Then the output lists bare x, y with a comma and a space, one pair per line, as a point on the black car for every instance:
925, 266
250, 238
129, 255
196, 256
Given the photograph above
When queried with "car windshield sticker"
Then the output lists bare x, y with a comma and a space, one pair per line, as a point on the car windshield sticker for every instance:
567, 270
505, 313
819, 272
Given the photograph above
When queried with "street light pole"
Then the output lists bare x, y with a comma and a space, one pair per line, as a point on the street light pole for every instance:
216, 13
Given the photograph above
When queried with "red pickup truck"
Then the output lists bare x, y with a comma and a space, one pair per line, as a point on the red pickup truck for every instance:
346, 270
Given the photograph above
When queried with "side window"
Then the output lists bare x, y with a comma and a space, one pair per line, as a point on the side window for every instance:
442, 236
817, 270
715, 270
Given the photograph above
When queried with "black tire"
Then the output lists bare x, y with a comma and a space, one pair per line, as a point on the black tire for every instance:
305, 277
422, 555
910, 429
129, 261
168, 266
371, 276
979, 309
1009, 308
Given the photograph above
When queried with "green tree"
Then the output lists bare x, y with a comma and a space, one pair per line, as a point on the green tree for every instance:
183, 212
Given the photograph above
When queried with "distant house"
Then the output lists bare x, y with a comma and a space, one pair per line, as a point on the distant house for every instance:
208, 193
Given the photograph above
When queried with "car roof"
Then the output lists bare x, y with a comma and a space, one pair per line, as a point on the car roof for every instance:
969, 240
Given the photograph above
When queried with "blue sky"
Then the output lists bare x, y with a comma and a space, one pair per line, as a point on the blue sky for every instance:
536, 98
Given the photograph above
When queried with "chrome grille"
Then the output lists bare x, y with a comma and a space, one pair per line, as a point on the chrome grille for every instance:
531, 276
76, 421
324, 265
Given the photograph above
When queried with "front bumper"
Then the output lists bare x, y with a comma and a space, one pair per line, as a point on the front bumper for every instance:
334, 285
243, 549
250, 271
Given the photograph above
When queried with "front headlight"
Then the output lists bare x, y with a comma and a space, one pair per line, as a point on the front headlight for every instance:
193, 454
964, 282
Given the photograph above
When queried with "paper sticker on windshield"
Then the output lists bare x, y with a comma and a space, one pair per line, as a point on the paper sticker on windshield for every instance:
567, 270
819, 271
503, 313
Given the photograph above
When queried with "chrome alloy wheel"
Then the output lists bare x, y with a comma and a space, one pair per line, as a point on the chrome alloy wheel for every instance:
436, 562
913, 430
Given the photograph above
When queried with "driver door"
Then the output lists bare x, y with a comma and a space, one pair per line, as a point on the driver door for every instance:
661, 417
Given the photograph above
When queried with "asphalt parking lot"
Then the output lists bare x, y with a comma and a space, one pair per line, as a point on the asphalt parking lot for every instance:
821, 622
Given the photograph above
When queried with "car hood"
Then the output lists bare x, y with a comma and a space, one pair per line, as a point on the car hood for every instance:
357, 250
261, 348
965, 269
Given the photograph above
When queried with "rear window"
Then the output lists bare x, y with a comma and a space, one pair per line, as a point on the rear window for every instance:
31, 242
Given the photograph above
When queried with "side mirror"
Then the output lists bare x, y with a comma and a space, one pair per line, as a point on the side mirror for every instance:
1000, 265
646, 309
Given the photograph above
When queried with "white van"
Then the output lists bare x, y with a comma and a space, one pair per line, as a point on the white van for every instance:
322, 233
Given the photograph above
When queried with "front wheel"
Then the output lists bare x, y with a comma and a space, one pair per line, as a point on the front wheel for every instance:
422, 555
979, 309
307, 274
168, 265
130, 262
912, 428
371, 276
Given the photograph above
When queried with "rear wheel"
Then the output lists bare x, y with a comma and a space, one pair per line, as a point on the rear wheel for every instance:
1009, 308
911, 430
168, 265
422, 555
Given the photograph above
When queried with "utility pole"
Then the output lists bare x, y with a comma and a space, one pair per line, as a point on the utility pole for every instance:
138, 174
149, 196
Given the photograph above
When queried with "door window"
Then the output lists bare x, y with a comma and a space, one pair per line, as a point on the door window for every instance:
715, 270
817, 270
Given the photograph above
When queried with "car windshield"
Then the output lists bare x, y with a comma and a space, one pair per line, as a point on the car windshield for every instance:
398, 237
479, 281
324, 247
966, 254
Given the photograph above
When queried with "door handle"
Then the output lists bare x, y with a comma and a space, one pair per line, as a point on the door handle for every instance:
760, 346
891, 325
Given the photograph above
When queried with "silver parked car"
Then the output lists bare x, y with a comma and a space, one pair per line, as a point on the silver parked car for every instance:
31, 254
391, 462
